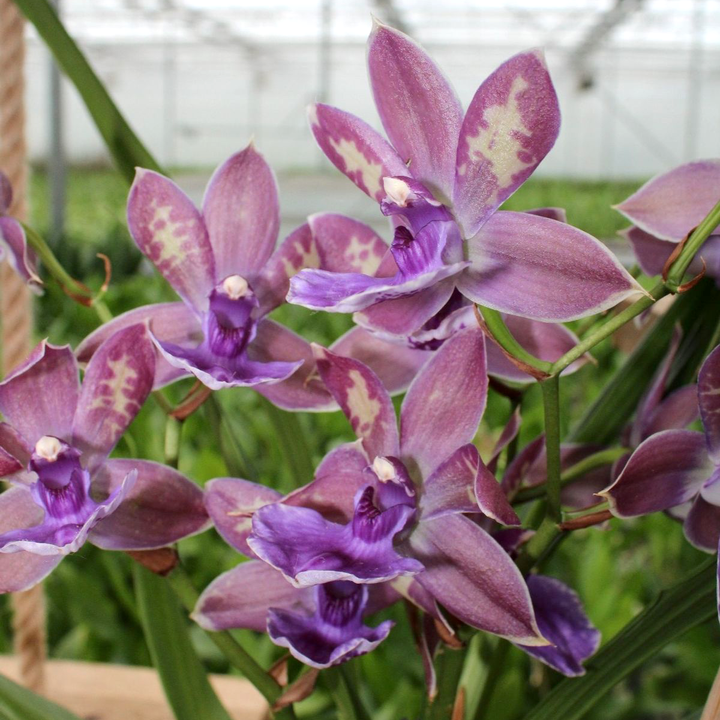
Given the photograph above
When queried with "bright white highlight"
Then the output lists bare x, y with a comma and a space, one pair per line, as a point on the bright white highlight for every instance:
235, 287
48, 448
384, 469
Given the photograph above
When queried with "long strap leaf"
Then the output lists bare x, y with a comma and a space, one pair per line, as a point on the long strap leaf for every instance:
124, 146
186, 685
18, 703
685, 605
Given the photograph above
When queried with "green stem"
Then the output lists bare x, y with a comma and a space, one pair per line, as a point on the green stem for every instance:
506, 340
173, 431
123, 144
230, 648
551, 407
540, 545
573, 473
497, 665
346, 701
608, 328
449, 668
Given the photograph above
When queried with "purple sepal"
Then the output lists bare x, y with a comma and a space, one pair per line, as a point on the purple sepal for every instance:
702, 525
334, 632
161, 508
20, 256
562, 620
309, 550
709, 401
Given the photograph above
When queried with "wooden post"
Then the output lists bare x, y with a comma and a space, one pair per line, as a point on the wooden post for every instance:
15, 304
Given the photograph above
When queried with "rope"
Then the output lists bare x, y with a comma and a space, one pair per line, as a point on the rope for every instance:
15, 306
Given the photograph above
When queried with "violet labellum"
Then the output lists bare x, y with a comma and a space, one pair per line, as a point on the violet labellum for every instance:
54, 447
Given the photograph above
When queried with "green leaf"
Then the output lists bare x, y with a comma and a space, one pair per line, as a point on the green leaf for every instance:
18, 703
183, 677
122, 143
615, 405
685, 605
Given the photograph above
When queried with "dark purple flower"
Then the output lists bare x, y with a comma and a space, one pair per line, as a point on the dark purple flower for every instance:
666, 209
54, 449
450, 171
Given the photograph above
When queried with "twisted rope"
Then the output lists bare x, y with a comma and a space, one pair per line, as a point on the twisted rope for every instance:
15, 305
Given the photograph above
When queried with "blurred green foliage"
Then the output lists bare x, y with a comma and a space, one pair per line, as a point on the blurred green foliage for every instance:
616, 570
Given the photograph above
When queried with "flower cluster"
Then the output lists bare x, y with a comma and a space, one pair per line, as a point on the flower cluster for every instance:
409, 510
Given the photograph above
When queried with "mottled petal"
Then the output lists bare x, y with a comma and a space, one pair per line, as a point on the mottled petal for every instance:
40, 396
510, 126
363, 399
242, 214
334, 632
395, 365
444, 405
543, 340
117, 381
241, 598
474, 578
562, 620
541, 269
231, 503
170, 322
20, 256
309, 550
709, 402
463, 484
417, 105
170, 231
670, 205
406, 315
702, 525
328, 241
162, 507
667, 469
22, 570
355, 148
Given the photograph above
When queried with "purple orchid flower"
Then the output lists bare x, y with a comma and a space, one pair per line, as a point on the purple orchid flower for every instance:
221, 263
410, 493
675, 467
54, 447
13, 242
442, 180
320, 626
666, 209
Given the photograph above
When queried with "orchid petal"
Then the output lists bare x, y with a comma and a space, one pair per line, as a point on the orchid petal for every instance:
671, 204
345, 458
309, 550
562, 620
474, 578
117, 381
242, 214
231, 503
332, 493
395, 365
162, 507
21, 570
355, 149
508, 434
553, 213
40, 396
710, 491
675, 412
709, 402
445, 402
541, 269
170, 231
418, 108
651, 252
12, 442
405, 315
20, 256
510, 126
333, 633
170, 322
241, 598
666, 470
363, 400
702, 525
8, 464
